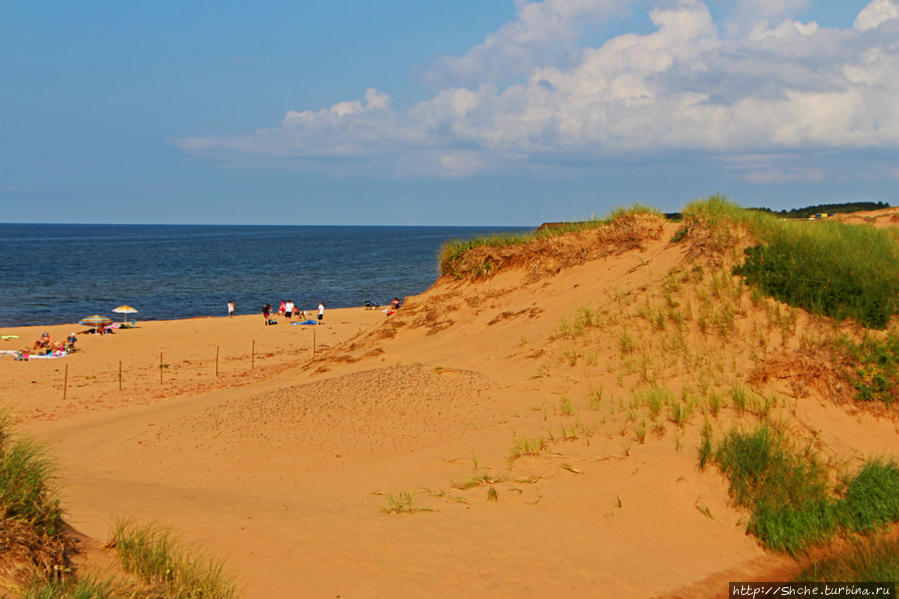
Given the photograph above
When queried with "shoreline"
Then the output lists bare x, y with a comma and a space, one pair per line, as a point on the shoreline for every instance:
162, 359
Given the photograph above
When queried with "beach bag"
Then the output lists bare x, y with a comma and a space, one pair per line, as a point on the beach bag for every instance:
273, 322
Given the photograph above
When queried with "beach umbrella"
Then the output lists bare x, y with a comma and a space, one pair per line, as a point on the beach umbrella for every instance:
125, 310
95, 321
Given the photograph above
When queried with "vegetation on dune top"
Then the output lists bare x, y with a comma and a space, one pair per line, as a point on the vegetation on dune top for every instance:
840, 208
453, 251
826, 267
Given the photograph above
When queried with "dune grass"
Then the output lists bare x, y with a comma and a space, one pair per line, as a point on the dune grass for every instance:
452, 251
826, 267
876, 367
160, 561
25, 475
865, 560
35, 543
787, 491
90, 587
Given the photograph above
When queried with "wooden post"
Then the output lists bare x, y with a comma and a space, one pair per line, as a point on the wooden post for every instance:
216, 360
120, 375
65, 384
253, 356
160, 368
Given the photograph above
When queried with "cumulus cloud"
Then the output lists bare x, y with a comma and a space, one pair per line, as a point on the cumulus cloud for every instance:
687, 85
746, 15
544, 33
875, 13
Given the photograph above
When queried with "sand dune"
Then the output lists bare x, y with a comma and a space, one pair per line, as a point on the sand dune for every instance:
287, 467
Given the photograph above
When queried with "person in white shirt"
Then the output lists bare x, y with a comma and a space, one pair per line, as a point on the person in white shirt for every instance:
321, 312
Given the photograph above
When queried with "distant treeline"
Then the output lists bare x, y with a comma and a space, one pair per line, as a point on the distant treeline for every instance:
809, 210
826, 208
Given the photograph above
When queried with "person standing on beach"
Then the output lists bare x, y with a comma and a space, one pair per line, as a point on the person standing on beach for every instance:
266, 312
288, 309
230, 308
321, 312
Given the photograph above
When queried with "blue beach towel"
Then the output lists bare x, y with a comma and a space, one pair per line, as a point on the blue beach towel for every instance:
310, 321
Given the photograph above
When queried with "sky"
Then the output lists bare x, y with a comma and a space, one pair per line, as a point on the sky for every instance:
471, 112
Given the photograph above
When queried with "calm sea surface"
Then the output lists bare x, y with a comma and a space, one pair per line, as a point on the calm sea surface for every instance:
53, 274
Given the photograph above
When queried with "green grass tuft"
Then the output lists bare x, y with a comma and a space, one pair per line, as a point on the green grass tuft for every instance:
154, 556
876, 367
786, 491
788, 494
872, 496
25, 476
89, 587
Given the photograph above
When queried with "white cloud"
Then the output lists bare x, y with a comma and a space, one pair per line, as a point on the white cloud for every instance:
875, 13
746, 15
786, 87
543, 33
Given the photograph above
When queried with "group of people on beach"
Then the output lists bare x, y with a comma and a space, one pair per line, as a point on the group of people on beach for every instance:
289, 310
44, 346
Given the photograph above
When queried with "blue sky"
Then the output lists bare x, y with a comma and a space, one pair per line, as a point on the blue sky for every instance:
474, 112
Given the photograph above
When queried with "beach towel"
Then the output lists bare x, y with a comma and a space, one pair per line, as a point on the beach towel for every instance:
4, 337
310, 321
56, 354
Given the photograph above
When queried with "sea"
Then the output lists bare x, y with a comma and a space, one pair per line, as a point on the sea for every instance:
61, 273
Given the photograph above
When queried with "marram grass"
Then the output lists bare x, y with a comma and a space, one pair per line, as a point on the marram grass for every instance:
792, 505
826, 267
452, 251
154, 556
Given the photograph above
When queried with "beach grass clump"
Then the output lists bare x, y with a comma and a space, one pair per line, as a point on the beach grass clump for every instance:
453, 251
528, 447
875, 373
89, 587
826, 267
35, 541
787, 491
864, 560
159, 560
871, 498
655, 398
477, 481
25, 475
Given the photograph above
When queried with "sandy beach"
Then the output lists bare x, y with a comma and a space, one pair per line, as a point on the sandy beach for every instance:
288, 463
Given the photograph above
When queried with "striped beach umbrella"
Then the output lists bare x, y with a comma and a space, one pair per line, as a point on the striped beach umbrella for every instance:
125, 310
95, 321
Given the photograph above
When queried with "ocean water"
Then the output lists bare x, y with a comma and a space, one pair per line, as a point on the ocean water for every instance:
53, 274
